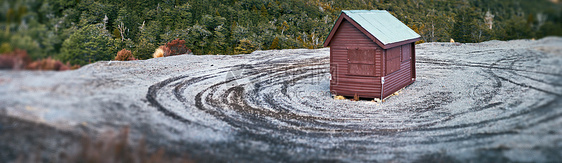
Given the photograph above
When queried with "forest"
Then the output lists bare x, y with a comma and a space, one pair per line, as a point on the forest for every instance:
79, 32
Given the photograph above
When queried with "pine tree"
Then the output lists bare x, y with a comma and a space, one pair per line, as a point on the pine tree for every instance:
244, 47
275, 43
89, 44
148, 40
284, 27
465, 24
263, 11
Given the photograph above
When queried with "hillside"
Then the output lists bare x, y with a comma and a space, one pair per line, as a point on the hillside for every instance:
86, 31
490, 101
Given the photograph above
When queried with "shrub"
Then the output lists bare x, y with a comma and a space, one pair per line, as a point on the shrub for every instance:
124, 55
176, 47
16, 60
50, 64
158, 53
165, 50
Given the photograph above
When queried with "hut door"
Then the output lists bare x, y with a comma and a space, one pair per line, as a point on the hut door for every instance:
361, 61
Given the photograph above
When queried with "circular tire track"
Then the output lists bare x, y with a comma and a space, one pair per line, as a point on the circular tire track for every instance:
287, 105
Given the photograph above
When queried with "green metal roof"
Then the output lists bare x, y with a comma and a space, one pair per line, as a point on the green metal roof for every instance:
382, 25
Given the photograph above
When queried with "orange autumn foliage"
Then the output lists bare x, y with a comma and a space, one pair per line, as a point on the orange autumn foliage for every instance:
16, 60
125, 55
19, 60
176, 47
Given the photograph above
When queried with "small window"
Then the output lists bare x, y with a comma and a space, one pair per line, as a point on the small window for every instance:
406, 52
393, 59
361, 61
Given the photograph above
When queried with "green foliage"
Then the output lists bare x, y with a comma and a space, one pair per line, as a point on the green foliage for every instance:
515, 28
5, 48
145, 51
275, 43
148, 40
89, 44
466, 25
22, 41
244, 47
198, 39
54, 27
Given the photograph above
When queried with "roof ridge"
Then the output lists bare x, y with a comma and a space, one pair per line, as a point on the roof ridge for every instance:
382, 25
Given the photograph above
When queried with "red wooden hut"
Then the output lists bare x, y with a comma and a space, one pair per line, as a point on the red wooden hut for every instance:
372, 54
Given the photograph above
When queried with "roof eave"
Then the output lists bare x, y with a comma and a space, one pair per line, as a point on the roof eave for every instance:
356, 25
333, 30
399, 43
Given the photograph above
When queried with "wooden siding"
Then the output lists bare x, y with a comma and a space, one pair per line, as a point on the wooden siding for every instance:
364, 90
352, 67
405, 75
346, 38
413, 61
399, 79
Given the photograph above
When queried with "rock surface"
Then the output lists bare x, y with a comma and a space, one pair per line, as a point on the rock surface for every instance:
490, 101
